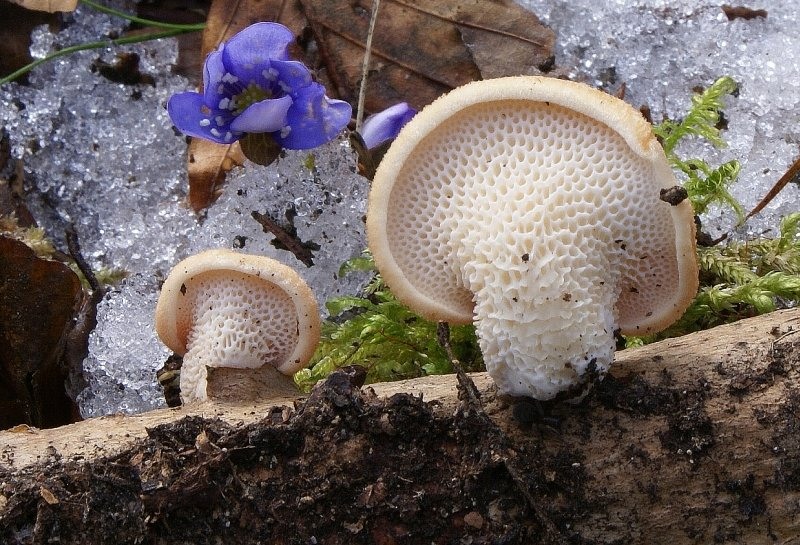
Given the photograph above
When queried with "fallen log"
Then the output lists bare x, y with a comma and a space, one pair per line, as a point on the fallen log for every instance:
689, 440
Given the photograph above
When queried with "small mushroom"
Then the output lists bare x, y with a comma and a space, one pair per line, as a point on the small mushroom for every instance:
531, 206
223, 309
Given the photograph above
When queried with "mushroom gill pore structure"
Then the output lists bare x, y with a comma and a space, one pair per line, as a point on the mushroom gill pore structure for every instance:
531, 206
221, 308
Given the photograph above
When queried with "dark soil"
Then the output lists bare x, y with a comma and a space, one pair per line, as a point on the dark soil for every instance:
644, 458
344, 467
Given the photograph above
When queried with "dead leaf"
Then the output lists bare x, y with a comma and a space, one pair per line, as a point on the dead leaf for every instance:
226, 18
424, 48
50, 6
208, 165
124, 70
39, 299
741, 12
15, 39
48, 496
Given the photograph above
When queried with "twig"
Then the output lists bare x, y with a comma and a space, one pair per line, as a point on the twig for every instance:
286, 239
791, 175
74, 247
362, 91
464, 382
77, 342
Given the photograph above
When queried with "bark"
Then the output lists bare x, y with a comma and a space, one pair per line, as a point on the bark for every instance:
689, 440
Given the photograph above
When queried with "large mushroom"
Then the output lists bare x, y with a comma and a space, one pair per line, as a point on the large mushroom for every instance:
248, 313
531, 206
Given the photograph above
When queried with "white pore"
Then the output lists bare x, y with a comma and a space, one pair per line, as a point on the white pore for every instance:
548, 223
237, 320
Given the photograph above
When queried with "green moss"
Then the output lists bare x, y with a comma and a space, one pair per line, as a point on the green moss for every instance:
379, 333
704, 183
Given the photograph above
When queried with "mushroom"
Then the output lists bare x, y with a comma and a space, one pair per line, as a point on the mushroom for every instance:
531, 206
223, 309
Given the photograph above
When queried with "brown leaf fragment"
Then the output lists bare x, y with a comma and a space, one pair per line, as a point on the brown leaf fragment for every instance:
48, 496
125, 70
424, 48
504, 38
741, 12
50, 6
39, 299
226, 18
15, 38
208, 164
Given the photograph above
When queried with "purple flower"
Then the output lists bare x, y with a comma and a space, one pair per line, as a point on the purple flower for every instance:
385, 125
251, 86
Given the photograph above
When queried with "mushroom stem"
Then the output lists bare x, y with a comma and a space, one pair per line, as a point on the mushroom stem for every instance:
558, 323
228, 384
225, 335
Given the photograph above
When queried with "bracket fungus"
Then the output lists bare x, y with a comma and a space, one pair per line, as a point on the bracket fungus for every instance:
223, 309
531, 206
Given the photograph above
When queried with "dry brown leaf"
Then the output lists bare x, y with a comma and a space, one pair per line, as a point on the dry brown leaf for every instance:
50, 6
208, 164
422, 49
48, 496
38, 299
226, 18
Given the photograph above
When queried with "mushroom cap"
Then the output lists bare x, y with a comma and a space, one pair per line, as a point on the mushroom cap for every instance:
553, 157
247, 286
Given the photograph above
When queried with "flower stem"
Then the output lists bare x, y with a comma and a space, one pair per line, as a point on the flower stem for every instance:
146, 22
92, 45
362, 92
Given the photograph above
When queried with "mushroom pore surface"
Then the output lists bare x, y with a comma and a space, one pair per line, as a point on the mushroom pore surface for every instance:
221, 308
539, 222
232, 319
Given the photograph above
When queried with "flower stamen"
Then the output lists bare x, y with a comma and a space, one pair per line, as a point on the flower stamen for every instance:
251, 94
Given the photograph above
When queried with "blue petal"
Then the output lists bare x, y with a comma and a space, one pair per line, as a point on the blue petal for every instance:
189, 113
290, 76
264, 116
385, 125
313, 119
213, 71
249, 52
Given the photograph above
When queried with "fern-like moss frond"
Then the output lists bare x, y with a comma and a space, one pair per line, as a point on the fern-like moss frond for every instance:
379, 333
702, 118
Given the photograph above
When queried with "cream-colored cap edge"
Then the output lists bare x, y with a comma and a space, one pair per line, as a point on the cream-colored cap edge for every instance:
270, 270
609, 110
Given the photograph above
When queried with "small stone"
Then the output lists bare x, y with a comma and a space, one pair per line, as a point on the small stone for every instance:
474, 520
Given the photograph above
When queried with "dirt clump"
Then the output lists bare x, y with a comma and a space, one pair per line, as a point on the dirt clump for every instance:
342, 467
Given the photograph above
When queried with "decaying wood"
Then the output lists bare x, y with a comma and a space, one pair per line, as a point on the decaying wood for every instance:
689, 440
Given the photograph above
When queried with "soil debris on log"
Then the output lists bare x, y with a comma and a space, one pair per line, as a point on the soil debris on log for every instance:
343, 467
677, 445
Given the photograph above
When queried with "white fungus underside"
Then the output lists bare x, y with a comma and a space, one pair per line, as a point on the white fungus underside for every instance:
237, 320
544, 219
